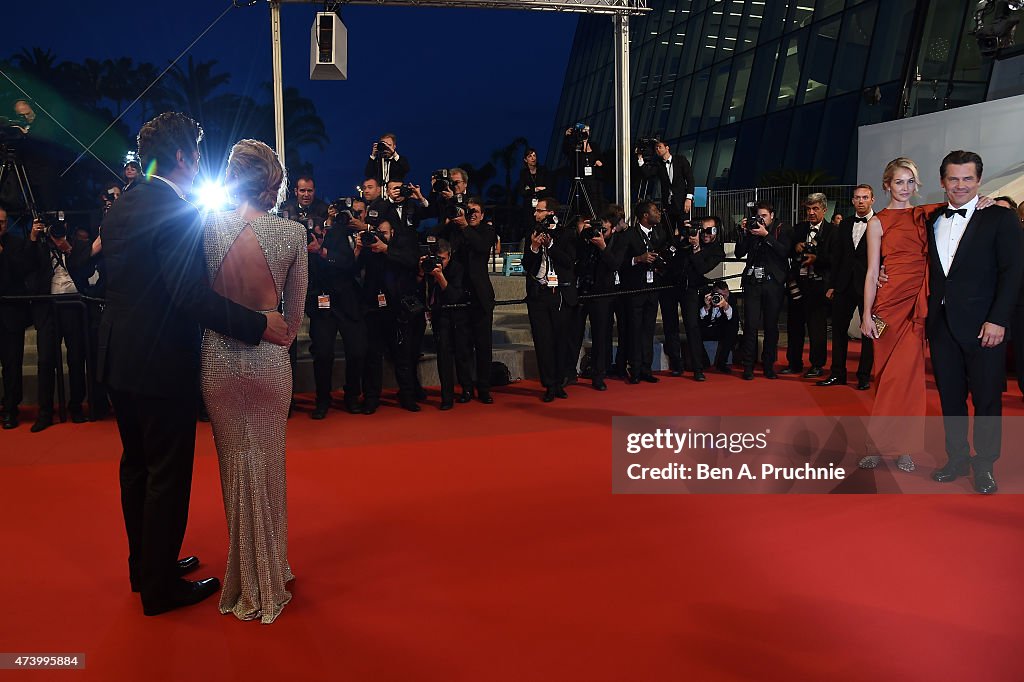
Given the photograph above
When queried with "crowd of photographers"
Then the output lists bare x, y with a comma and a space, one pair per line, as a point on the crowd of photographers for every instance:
377, 278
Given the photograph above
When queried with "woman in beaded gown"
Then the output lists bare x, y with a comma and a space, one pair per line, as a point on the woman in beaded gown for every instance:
257, 260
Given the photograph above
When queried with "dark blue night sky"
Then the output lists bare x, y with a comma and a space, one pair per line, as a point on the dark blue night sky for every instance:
453, 84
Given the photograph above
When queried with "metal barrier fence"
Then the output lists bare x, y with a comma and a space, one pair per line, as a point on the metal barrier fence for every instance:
731, 205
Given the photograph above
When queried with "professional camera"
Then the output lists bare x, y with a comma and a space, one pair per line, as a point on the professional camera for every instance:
754, 220
430, 263
383, 149
441, 181
548, 225
579, 134
459, 209
343, 207
593, 230
810, 249
691, 230
405, 191
370, 237
645, 146
56, 228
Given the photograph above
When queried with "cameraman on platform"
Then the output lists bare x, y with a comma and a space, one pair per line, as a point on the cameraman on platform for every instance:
643, 244
585, 163
549, 263
598, 257
14, 318
766, 245
385, 163
699, 254
675, 177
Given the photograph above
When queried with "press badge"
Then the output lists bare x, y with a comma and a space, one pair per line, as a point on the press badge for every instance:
323, 302
382, 300
535, 201
552, 279
617, 282
650, 276
588, 171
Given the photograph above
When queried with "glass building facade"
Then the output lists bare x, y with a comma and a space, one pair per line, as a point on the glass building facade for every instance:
743, 88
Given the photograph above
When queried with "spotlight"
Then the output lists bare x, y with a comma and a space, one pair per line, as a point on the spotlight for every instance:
211, 196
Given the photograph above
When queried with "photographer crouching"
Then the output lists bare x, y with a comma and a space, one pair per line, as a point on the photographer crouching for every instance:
699, 254
549, 264
719, 326
598, 257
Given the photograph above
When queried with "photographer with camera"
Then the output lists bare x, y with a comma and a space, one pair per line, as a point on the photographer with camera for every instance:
643, 262
48, 251
809, 281
385, 163
549, 263
766, 246
718, 327
586, 163
699, 254
390, 261
378, 208
444, 276
334, 306
14, 318
408, 213
598, 257
675, 178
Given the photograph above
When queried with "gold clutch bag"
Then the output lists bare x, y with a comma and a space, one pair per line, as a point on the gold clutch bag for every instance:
880, 324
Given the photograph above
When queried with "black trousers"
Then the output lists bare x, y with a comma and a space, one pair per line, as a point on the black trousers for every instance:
448, 348
643, 314
475, 332
693, 351
598, 311
620, 310
324, 327
762, 304
842, 313
960, 369
809, 313
725, 333
670, 300
12, 360
417, 329
99, 402
54, 324
1017, 338
158, 436
549, 323
386, 334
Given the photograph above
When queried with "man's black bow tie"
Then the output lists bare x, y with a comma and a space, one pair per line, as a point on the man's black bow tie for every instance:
950, 212
857, 219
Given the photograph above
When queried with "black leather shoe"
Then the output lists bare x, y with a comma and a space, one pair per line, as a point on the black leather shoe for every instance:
599, 385
770, 374
370, 408
649, 378
10, 421
447, 405
676, 372
353, 407
421, 395
560, 393
863, 385
951, 471
790, 370
464, 397
724, 369
831, 381
184, 566
485, 397
984, 483
634, 379
189, 594
410, 405
549, 396
748, 375
76, 414
44, 421
319, 412
699, 376
814, 373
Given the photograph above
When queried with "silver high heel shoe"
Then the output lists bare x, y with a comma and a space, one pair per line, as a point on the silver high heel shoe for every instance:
869, 462
905, 463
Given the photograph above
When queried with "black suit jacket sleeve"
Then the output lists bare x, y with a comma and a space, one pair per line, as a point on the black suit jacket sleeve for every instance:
1010, 268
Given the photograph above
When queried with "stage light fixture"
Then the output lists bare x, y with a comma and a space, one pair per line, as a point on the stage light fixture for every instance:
328, 48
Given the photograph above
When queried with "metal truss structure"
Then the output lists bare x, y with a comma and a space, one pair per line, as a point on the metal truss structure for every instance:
582, 6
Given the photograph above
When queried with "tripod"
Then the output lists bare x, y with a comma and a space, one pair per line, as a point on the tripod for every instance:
12, 164
578, 191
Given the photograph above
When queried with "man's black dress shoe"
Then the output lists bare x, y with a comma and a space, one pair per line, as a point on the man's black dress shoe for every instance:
748, 375
188, 594
353, 407
447, 405
319, 412
485, 397
863, 385
599, 385
791, 370
549, 396
464, 397
184, 566
831, 381
724, 369
10, 421
410, 405
984, 483
44, 421
76, 414
421, 395
649, 378
370, 408
951, 471
814, 373
770, 374
699, 376
634, 379
676, 372
560, 393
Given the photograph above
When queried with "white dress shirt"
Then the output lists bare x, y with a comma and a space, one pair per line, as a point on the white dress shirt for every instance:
949, 232
859, 229
177, 190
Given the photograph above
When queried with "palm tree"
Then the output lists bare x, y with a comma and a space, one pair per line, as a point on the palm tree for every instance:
510, 157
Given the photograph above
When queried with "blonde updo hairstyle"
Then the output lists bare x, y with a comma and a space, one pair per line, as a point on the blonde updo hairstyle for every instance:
255, 175
895, 165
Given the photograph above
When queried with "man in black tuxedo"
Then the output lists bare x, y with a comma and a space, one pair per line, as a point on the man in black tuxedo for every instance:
598, 257
850, 268
14, 318
641, 247
974, 278
385, 163
675, 177
305, 208
812, 274
158, 300
549, 263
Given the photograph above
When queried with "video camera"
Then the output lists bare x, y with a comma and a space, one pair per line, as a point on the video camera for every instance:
579, 134
645, 146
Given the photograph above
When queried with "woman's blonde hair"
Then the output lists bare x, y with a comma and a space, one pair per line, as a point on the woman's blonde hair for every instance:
255, 174
895, 165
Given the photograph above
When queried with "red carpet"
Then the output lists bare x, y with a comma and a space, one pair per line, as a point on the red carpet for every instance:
484, 544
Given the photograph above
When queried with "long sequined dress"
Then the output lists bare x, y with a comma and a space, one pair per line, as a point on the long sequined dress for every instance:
247, 390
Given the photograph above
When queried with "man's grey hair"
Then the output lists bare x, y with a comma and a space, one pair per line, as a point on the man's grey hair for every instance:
817, 198
464, 174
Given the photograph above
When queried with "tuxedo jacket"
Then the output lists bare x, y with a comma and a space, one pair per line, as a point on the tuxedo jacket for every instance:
471, 247
562, 255
984, 278
849, 264
823, 263
14, 266
770, 252
338, 275
682, 179
595, 269
397, 170
635, 276
158, 296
